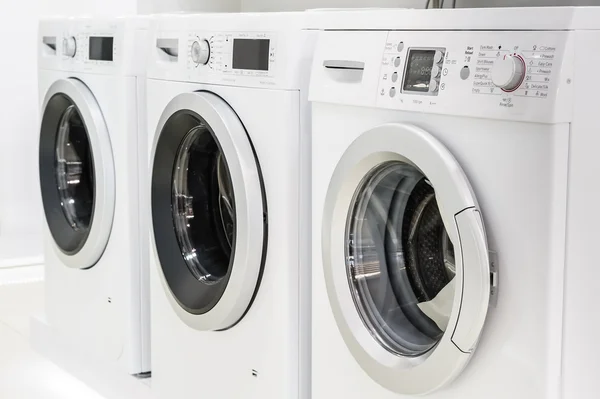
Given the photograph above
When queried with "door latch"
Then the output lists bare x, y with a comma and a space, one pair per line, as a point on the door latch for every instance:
493, 278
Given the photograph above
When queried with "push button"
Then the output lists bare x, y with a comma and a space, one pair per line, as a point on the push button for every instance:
433, 86
465, 72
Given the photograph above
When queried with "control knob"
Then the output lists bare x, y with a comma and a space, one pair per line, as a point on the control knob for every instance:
508, 72
200, 52
69, 46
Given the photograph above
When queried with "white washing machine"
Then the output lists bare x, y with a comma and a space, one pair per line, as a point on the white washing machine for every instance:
228, 123
91, 84
449, 150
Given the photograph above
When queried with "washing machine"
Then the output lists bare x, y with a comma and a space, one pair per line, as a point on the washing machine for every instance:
454, 204
92, 176
228, 124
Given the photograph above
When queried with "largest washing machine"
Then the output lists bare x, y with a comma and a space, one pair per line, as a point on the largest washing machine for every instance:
227, 114
91, 85
455, 204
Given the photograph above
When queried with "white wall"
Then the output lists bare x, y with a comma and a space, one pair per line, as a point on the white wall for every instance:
294, 5
20, 202
157, 6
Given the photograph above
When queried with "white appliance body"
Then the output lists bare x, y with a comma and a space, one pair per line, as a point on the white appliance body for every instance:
236, 330
97, 288
520, 157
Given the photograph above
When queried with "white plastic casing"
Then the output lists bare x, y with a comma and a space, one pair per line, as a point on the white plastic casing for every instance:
104, 311
267, 353
514, 150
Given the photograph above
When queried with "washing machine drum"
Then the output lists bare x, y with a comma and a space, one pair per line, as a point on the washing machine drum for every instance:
203, 206
208, 211
76, 173
402, 259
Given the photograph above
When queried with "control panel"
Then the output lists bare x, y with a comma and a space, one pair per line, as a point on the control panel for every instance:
99, 45
89, 48
513, 70
233, 53
516, 75
270, 59
422, 70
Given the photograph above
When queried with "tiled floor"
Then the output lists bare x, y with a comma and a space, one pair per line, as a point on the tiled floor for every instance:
24, 374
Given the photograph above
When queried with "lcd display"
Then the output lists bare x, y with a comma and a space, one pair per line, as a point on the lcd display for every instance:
251, 54
418, 70
101, 48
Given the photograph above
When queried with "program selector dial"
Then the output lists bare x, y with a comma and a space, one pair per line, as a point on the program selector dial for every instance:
508, 72
69, 46
200, 52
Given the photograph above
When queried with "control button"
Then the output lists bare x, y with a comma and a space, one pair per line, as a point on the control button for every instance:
200, 52
400, 46
433, 86
508, 72
69, 46
392, 92
465, 72
438, 56
435, 71
395, 77
397, 61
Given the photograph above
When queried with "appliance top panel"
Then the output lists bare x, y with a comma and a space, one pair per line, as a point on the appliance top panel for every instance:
514, 75
272, 21
522, 18
94, 45
269, 50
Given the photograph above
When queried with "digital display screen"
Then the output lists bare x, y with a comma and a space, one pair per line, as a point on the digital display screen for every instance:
101, 48
251, 54
418, 70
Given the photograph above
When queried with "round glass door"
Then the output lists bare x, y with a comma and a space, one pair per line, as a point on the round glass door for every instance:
203, 206
208, 211
405, 259
75, 170
400, 260
76, 173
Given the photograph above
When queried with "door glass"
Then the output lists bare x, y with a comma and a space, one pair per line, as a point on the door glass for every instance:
74, 170
400, 261
203, 205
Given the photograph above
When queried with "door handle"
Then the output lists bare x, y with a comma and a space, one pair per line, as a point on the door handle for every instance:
345, 71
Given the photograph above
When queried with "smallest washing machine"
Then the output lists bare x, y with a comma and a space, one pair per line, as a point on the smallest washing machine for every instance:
92, 161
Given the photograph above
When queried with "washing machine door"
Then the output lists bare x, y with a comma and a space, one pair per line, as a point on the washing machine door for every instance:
76, 173
405, 259
208, 211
